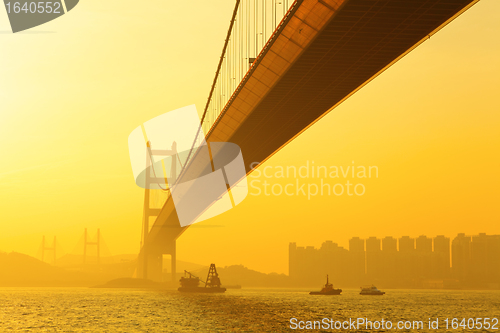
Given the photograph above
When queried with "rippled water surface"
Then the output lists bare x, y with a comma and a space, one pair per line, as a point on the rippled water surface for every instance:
245, 310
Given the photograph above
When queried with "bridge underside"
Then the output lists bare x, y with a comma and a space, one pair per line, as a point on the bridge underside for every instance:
324, 51
362, 38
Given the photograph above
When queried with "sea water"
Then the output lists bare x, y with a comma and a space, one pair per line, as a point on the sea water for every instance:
238, 310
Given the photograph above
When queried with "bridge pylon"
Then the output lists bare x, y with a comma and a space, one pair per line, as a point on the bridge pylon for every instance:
97, 243
150, 261
45, 247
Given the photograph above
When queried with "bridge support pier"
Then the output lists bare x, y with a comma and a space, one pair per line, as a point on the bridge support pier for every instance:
150, 263
150, 266
155, 267
173, 261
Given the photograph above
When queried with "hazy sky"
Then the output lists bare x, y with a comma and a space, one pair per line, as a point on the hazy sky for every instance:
73, 89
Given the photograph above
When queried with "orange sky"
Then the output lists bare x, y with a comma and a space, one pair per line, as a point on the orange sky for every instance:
73, 89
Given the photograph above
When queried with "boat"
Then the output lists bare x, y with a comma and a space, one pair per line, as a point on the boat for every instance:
371, 290
191, 283
327, 290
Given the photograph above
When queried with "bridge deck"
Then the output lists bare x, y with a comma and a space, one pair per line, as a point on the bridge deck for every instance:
362, 38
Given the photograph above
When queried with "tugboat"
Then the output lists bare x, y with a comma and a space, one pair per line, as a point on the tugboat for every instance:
327, 290
372, 290
190, 282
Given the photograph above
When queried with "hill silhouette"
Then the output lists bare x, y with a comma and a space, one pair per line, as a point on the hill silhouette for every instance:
17, 269
21, 270
124, 262
241, 275
133, 283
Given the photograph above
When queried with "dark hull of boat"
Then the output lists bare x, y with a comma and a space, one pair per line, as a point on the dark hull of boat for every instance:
201, 290
331, 292
372, 294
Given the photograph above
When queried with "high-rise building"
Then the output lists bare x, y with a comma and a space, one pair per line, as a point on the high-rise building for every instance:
374, 262
356, 245
423, 260
493, 258
357, 261
389, 264
389, 244
333, 261
479, 259
293, 268
406, 262
373, 244
441, 257
406, 244
423, 244
461, 258
442, 244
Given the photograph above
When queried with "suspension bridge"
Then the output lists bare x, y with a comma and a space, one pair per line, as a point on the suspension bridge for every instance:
284, 65
88, 251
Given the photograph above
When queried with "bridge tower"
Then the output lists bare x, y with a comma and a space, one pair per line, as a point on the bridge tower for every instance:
150, 263
86, 242
47, 248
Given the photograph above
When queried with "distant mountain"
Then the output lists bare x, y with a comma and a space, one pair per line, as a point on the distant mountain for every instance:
21, 270
72, 261
123, 265
133, 283
241, 275
18, 269
181, 266
76, 260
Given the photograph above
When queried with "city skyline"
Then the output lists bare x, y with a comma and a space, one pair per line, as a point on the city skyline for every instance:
466, 261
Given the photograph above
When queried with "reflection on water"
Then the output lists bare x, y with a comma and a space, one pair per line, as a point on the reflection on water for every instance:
245, 310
